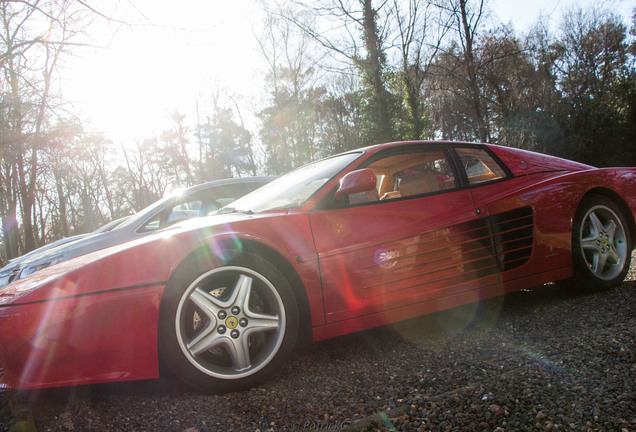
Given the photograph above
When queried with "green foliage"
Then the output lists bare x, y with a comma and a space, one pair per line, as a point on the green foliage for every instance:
290, 129
225, 147
571, 96
596, 83
340, 122
411, 117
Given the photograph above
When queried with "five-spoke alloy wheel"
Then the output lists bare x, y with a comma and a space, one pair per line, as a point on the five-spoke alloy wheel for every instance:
229, 327
601, 244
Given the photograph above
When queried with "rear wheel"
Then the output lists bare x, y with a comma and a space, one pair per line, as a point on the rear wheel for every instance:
601, 244
230, 327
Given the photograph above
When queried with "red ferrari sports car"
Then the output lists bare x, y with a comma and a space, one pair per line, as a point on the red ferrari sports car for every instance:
357, 240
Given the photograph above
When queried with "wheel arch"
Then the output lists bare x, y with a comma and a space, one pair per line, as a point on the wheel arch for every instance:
620, 202
230, 248
285, 267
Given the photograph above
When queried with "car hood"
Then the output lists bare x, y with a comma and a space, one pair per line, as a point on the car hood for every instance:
42, 251
86, 244
139, 263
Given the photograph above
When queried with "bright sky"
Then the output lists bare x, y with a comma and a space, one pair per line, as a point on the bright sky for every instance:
523, 14
147, 72
129, 89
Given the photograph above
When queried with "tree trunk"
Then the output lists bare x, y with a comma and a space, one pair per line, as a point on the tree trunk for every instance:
373, 69
64, 230
483, 132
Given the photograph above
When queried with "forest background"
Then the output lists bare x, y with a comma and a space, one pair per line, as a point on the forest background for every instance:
339, 74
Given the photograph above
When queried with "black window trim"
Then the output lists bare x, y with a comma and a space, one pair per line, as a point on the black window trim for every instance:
459, 166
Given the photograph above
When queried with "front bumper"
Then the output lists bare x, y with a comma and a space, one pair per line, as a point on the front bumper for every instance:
96, 338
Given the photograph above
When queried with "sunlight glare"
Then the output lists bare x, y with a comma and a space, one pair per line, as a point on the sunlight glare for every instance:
129, 89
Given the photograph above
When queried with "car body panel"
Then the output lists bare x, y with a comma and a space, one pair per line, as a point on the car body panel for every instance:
435, 305
82, 339
94, 318
399, 262
554, 199
524, 162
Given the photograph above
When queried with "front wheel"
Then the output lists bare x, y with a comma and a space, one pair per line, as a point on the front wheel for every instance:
230, 327
601, 244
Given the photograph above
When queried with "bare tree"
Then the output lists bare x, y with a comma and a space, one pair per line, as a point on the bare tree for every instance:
34, 36
290, 127
467, 18
174, 144
145, 178
357, 32
421, 29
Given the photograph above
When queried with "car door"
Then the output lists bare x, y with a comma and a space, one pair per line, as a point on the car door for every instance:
415, 238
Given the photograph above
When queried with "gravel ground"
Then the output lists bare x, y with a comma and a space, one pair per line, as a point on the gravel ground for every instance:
540, 359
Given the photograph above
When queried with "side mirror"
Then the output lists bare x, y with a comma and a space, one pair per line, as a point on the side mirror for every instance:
362, 180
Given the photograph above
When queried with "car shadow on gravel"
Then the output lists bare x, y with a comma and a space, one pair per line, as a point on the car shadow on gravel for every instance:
435, 327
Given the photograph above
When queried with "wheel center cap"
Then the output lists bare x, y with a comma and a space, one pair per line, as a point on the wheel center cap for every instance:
231, 322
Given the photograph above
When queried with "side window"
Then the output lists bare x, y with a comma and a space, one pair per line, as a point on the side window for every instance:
177, 213
184, 210
413, 173
480, 167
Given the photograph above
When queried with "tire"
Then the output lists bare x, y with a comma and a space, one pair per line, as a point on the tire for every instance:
601, 245
229, 327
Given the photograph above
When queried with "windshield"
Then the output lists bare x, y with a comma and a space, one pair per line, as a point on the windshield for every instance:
145, 212
110, 226
294, 188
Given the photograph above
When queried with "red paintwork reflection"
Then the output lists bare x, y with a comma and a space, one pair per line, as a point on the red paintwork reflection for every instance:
523, 162
81, 340
391, 254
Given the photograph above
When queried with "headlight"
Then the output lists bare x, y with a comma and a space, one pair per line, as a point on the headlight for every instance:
29, 269
8, 276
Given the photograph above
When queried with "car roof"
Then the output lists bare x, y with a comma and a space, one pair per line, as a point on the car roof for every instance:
229, 181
